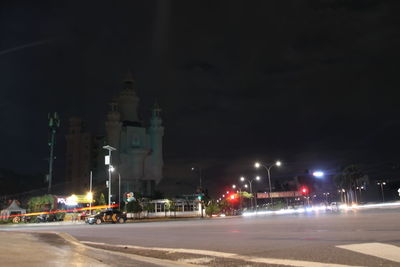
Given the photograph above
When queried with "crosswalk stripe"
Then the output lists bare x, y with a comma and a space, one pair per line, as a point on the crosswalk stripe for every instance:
384, 251
285, 262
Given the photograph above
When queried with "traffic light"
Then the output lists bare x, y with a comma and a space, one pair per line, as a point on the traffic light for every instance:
199, 197
232, 197
304, 190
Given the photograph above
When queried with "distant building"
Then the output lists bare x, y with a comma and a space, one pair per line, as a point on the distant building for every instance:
81, 153
138, 160
139, 155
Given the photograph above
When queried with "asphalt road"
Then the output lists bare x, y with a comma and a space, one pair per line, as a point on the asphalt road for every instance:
304, 237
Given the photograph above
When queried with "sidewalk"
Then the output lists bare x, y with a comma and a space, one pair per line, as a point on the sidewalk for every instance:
34, 249
41, 224
60, 249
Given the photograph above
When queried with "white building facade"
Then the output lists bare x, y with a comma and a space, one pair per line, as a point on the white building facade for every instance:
138, 159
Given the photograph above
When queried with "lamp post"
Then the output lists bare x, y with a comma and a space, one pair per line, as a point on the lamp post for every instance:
268, 168
251, 188
326, 196
200, 178
119, 187
381, 184
110, 169
359, 188
119, 191
240, 194
90, 192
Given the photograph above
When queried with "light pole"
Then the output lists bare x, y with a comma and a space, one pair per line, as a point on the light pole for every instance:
119, 191
110, 169
359, 188
251, 188
268, 168
326, 196
200, 184
240, 194
200, 196
119, 187
381, 184
90, 192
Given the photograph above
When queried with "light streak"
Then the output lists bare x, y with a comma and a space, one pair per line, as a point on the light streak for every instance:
343, 207
3, 52
61, 211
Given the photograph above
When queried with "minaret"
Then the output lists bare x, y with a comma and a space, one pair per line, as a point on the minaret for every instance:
113, 125
156, 132
128, 101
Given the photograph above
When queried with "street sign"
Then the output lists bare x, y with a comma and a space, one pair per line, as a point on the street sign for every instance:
107, 160
279, 194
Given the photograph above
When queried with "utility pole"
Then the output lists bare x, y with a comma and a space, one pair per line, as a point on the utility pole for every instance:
54, 124
90, 191
110, 169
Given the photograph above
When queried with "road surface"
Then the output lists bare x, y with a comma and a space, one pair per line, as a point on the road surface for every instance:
362, 238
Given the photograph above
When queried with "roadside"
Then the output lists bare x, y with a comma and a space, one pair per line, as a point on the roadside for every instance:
59, 249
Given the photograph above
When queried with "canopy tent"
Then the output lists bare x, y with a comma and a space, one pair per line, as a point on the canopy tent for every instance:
12, 209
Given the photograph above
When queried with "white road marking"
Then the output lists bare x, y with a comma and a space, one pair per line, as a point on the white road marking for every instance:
204, 260
384, 251
152, 260
229, 255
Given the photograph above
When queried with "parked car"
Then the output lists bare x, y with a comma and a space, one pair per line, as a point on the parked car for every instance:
109, 216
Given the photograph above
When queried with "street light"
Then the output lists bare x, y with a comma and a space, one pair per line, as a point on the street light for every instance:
240, 194
251, 188
268, 168
318, 174
200, 178
112, 169
326, 196
90, 191
108, 162
381, 184
359, 188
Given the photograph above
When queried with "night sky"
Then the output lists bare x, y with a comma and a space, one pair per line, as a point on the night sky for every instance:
312, 83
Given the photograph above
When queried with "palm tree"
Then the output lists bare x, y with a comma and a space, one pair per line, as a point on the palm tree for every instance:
346, 182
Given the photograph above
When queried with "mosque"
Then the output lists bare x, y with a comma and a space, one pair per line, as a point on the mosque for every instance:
138, 158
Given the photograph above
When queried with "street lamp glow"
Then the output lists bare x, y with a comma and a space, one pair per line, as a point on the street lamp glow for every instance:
258, 178
245, 186
71, 200
234, 186
89, 196
268, 169
318, 174
242, 179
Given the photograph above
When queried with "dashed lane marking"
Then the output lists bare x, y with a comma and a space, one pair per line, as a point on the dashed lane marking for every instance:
228, 255
384, 251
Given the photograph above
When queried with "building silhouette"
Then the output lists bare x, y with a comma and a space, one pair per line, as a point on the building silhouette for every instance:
138, 158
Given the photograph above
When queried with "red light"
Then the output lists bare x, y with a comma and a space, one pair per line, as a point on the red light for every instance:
304, 190
232, 197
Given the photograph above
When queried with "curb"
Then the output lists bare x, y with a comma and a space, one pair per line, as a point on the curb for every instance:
40, 224
156, 261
